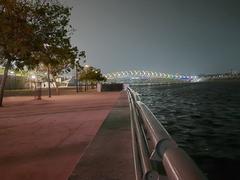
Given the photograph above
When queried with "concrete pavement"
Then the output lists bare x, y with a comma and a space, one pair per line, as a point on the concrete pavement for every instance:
109, 156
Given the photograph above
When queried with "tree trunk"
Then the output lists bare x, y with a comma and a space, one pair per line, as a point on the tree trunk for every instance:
49, 84
3, 81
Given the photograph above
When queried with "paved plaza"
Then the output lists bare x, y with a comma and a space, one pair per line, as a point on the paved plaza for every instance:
44, 139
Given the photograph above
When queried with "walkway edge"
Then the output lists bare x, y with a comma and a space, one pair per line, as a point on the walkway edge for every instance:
109, 156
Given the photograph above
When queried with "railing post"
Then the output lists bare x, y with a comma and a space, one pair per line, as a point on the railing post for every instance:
177, 164
147, 172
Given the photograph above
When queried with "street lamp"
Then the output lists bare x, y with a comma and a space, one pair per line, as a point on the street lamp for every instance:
33, 78
76, 75
13, 84
81, 55
85, 69
86, 66
38, 92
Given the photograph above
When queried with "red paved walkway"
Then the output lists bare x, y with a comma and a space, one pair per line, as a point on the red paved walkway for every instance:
43, 140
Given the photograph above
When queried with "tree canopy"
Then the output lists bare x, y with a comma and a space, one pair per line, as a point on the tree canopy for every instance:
33, 33
91, 74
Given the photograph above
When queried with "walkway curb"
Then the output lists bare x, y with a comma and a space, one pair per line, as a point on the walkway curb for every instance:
109, 156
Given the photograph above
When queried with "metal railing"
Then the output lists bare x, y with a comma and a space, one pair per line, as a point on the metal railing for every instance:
156, 154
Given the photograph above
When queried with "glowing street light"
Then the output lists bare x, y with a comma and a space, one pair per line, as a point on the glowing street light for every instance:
33, 77
86, 66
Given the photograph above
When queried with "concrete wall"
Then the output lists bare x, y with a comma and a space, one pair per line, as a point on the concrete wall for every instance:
110, 87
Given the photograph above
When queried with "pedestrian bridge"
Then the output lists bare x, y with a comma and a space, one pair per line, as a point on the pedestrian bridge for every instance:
151, 76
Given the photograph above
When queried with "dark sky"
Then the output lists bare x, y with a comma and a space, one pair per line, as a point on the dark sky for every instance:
173, 36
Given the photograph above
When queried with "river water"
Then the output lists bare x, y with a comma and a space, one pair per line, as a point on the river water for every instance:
204, 119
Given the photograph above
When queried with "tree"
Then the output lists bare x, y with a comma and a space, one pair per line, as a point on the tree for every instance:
16, 37
66, 62
91, 74
33, 33
58, 60
57, 54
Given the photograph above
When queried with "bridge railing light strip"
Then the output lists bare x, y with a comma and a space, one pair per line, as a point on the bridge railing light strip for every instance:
143, 74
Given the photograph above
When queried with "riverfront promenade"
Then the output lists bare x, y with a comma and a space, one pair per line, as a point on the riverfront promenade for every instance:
45, 139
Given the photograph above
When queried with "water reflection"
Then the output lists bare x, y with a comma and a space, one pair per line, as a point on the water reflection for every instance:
204, 119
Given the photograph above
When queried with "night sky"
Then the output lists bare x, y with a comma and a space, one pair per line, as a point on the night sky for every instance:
172, 36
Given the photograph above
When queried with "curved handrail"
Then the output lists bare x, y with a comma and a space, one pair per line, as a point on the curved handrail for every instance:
154, 144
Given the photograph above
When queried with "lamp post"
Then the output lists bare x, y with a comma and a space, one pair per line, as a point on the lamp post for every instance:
49, 83
13, 74
85, 69
33, 81
82, 54
76, 75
